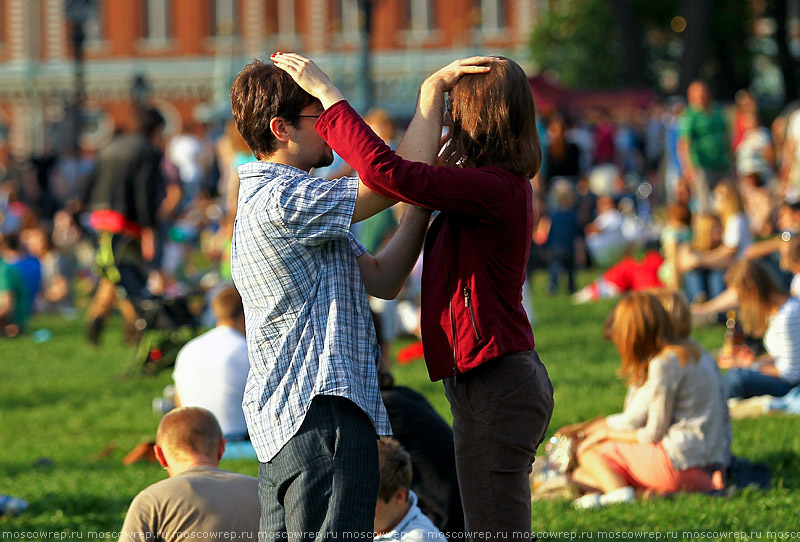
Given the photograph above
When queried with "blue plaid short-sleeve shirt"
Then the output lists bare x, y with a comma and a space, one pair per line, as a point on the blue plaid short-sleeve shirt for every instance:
309, 327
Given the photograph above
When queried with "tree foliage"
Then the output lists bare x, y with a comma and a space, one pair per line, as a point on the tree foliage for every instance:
612, 43
573, 41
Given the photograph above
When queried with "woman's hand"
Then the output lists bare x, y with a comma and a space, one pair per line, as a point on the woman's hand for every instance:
446, 78
592, 440
686, 259
309, 76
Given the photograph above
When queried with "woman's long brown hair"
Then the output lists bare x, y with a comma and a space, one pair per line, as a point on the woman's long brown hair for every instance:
494, 121
641, 329
755, 289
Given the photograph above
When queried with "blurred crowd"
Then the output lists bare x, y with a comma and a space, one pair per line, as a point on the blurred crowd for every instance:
684, 195
613, 183
51, 247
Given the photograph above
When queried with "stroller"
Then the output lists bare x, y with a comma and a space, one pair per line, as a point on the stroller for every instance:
166, 325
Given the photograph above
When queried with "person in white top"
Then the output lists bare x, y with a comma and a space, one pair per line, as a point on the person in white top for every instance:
211, 370
397, 516
790, 259
604, 237
704, 276
674, 431
768, 312
186, 151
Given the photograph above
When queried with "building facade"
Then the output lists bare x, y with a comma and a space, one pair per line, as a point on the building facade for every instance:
185, 53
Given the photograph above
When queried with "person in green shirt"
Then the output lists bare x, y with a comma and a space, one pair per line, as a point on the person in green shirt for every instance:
703, 145
14, 309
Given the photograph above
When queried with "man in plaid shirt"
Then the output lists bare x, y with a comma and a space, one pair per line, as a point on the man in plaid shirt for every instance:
312, 402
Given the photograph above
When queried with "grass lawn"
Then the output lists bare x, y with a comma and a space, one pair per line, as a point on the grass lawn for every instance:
63, 402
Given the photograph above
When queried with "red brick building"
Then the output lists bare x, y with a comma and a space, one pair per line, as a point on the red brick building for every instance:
189, 50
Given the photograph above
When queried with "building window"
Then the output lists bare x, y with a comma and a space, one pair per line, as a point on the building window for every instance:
157, 20
419, 16
95, 27
344, 17
223, 17
492, 14
282, 22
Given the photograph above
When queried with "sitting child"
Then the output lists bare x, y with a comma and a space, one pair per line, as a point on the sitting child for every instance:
397, 516
674, 431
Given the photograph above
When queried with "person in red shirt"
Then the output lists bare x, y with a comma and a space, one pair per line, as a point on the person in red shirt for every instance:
476, 335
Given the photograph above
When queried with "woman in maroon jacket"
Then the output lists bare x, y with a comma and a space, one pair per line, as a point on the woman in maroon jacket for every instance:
475, 333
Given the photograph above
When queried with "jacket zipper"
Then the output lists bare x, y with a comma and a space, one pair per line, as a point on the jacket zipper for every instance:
468, 304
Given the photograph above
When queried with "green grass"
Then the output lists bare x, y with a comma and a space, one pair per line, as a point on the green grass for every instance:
62, 402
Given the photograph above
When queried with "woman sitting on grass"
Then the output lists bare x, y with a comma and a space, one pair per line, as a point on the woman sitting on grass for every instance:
673, 432
769, 312
705, 272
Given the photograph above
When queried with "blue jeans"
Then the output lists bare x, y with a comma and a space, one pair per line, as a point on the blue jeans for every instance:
745, 383
709, 282
324, 482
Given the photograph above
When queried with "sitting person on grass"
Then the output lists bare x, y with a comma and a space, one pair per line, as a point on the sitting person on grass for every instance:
671, 435
55, 293
428, 438
790, 260
769, 312
198, 498
211, 372
705, 272
655, 269
14, 309
397, 516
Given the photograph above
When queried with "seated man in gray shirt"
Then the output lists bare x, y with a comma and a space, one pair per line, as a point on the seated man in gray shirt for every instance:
198, 500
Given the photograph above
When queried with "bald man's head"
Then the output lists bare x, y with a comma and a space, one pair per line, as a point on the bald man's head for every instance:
227, 306
189, 431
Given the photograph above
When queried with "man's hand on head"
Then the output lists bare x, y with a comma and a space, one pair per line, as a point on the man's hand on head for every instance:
309, 76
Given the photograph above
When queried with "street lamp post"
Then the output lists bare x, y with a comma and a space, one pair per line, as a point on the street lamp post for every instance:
364, 74
78, 12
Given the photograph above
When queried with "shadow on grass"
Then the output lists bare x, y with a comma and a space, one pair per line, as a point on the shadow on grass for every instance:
785, 466
26, 399
80, 469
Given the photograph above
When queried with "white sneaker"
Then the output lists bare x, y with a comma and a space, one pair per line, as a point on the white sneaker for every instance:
622, 495
587, 502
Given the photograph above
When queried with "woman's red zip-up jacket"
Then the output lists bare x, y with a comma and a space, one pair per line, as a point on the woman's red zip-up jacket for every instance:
476, 249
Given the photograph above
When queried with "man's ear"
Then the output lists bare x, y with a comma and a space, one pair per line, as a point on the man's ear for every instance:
160, 456
279, 129
401, 496
221, 449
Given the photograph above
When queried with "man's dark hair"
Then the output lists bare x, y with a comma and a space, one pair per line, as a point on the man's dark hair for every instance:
260, 93
395, 467
149, 121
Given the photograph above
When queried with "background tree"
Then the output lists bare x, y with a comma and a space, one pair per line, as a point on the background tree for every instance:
602, 44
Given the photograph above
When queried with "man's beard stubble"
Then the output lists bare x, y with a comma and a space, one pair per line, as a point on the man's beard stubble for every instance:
325, 160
